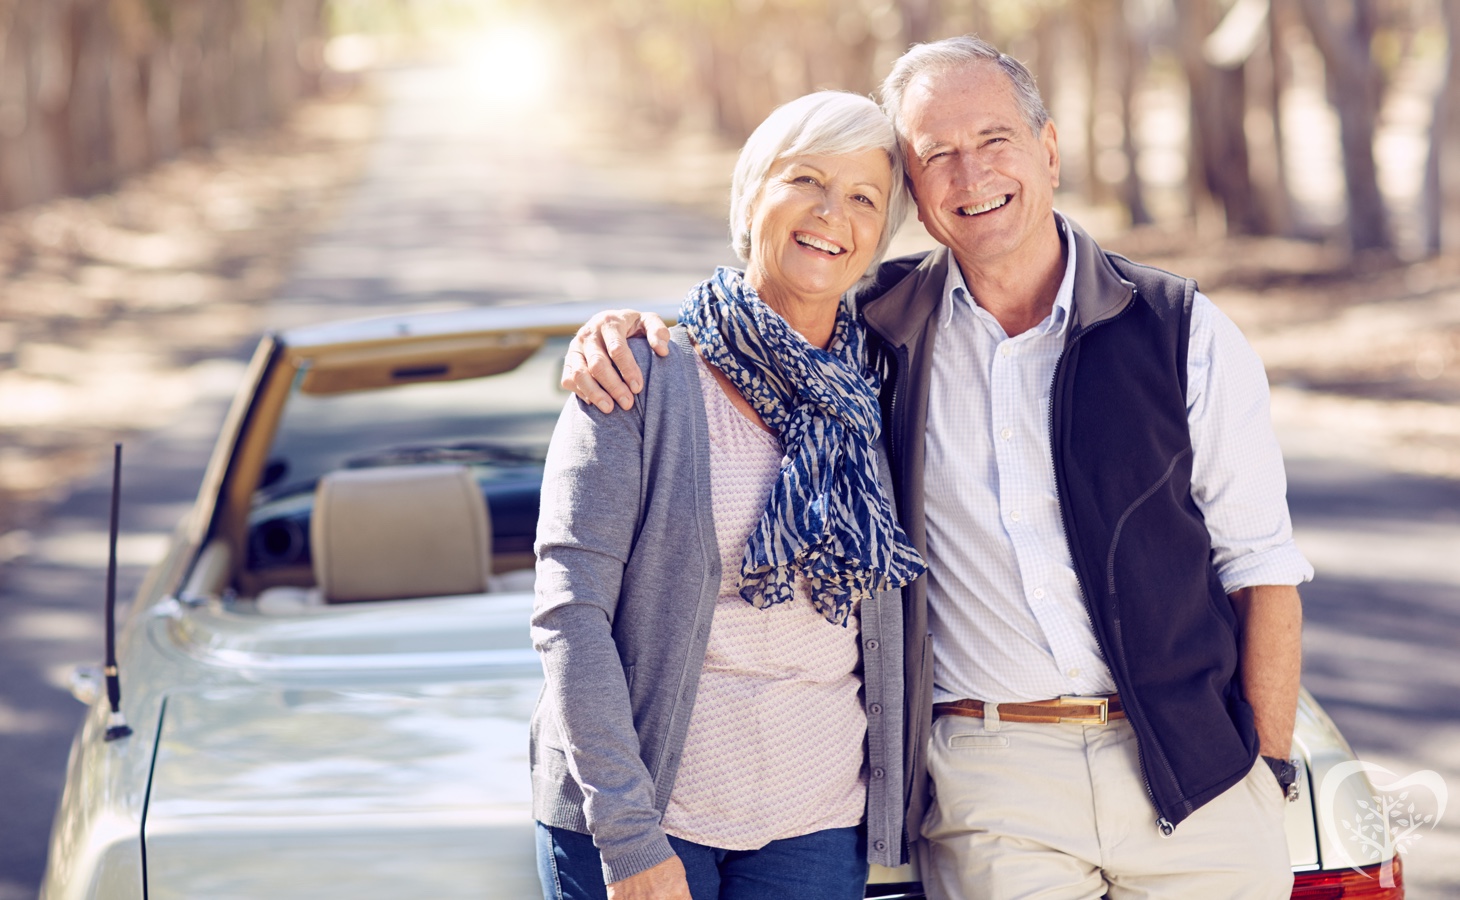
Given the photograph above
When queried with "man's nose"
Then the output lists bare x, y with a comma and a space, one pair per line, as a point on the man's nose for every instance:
970, 171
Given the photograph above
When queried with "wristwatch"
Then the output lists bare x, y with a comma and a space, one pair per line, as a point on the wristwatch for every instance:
1286, 773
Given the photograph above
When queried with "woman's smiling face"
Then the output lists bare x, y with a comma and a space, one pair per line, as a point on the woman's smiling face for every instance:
816, 225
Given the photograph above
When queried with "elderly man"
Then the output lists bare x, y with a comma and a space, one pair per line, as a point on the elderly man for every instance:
1109, 635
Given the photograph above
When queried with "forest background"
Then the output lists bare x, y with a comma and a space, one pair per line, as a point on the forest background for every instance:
1318, 119
1301, 158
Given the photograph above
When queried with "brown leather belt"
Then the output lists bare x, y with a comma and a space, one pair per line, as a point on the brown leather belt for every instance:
1067, 710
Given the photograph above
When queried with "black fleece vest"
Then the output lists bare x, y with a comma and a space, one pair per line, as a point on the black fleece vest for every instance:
1123, 457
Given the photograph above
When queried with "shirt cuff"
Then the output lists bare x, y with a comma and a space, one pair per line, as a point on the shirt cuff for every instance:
1282, 564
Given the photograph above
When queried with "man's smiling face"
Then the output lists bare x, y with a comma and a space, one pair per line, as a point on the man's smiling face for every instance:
984, 181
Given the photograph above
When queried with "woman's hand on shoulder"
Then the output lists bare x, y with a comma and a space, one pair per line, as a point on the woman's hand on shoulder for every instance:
665, 881
600, 367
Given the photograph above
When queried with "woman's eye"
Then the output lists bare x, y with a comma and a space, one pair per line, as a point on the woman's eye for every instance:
865, 200
806, 179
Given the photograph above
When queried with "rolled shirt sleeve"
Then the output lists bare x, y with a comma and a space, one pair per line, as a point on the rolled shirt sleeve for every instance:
1237, 477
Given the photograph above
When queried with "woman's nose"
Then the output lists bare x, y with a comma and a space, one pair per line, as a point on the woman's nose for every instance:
831, 207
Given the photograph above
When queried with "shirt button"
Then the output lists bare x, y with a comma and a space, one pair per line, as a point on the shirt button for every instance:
875, 709
1073, 672
1039, 593
878, 772
1006, 433
1014, 516
872, 645
1006, 350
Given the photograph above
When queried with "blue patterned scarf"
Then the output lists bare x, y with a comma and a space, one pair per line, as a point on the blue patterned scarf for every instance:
827, 516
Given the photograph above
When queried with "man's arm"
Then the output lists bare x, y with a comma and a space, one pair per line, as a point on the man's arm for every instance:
1270, 619
600, 367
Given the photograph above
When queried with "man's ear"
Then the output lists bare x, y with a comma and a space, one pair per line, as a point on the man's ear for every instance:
1050, 139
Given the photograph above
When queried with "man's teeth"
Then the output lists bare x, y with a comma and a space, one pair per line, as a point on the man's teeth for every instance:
985, 207
818, 243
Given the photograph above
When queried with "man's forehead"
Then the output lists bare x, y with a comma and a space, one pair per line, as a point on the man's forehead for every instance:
972, 88
978, 76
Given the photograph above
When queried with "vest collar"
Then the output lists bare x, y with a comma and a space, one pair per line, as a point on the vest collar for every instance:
902, 312
1100, 292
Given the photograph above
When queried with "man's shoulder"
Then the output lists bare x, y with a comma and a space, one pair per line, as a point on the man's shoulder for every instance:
1128, 267
1154, 285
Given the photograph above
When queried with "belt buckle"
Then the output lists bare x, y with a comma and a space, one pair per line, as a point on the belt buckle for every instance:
1101, 703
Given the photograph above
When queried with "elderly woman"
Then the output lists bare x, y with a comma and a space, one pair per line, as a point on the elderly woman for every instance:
717, 568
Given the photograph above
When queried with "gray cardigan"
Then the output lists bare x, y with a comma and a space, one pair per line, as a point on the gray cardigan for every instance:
628, 573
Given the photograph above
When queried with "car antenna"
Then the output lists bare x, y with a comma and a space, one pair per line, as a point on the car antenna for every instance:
117, 724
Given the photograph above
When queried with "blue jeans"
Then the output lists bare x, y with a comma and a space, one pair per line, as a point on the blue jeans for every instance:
823, 865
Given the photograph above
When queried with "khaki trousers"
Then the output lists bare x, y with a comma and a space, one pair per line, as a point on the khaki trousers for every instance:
1061, 812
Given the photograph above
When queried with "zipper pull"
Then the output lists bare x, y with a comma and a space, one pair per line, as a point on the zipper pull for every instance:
1166, 827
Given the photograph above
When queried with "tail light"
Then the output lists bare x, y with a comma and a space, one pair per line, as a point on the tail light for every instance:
1350, 884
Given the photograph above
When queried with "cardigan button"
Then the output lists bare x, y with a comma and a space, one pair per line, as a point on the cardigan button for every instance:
872, 645
879, 845
875, 709
879, 772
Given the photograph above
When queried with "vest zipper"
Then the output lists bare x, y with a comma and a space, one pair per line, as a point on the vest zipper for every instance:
1162, 823
892, 405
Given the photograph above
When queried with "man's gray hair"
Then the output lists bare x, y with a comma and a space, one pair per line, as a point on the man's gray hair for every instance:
826, 123
953, 53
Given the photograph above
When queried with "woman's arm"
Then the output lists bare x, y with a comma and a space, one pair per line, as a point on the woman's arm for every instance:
590, 506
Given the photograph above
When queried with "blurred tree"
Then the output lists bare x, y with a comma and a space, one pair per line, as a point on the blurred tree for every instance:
1344, 32
1215, 61
1442, 167
92, 90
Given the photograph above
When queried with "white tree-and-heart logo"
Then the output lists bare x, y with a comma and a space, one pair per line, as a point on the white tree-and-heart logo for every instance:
1389, 821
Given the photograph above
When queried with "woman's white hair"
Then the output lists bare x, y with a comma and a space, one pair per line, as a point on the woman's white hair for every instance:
826, 123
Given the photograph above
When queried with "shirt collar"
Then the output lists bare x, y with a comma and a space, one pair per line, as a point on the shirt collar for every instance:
955, 290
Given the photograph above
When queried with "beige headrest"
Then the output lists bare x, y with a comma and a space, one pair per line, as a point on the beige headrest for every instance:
400, 531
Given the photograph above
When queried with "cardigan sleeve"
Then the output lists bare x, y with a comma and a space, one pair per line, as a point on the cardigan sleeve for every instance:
589, 516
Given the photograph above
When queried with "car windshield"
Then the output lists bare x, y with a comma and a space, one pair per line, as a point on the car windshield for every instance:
497, 424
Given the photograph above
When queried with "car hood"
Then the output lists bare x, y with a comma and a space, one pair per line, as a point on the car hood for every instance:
411, 784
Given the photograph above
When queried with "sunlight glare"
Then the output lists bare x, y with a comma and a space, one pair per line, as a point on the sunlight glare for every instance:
511, 64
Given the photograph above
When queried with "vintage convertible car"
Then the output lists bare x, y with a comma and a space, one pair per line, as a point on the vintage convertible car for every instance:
330, 682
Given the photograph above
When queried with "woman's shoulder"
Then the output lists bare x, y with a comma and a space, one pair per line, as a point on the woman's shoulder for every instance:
680, 357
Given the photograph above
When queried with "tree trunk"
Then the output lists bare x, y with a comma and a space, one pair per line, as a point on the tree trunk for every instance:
1130, 62
1219, 166
1353, 88
1280, 208
1443, 162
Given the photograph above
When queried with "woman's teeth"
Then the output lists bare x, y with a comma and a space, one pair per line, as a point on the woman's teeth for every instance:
818, 243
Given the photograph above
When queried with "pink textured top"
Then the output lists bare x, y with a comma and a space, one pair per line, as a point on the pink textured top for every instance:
776, 740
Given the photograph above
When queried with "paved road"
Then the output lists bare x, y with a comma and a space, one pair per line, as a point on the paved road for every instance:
1383, 628
467, 202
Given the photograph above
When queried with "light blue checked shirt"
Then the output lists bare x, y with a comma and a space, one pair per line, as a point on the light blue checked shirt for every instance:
1004, 606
